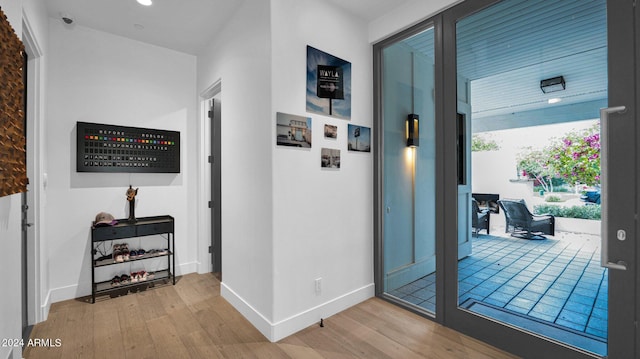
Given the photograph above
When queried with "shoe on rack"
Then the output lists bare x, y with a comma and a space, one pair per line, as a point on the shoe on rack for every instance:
133, 254
141, 252
143, 276
135, 277
115, 281
117, 256
125, 279
125, 253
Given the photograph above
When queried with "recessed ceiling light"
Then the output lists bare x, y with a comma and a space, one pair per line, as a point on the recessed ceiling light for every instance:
554, 100
145, 2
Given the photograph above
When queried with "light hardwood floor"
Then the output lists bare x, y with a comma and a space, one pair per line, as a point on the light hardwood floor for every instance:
192, 320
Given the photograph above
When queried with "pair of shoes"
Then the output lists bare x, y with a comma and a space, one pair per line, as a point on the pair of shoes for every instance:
117, 254
155, 252
136, 253
120, 252
138, 276
115, 281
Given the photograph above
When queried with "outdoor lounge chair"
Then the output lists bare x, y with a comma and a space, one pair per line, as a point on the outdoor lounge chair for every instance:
479, 219
522, 224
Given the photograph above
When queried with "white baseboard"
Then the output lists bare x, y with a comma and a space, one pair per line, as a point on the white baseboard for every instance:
283, 328
186, 268
44, 308
62, 293
253, 316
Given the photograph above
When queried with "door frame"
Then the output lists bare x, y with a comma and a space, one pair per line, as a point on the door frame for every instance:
626, 49
38, 298
503, 335
204, 177
378, 164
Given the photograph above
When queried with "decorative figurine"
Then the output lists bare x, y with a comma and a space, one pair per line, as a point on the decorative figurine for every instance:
131, 197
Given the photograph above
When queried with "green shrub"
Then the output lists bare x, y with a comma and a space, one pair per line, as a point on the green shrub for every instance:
553, 199
562, 188
483, 142
583, 212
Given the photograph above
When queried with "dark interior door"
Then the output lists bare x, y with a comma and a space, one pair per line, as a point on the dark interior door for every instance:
216, 170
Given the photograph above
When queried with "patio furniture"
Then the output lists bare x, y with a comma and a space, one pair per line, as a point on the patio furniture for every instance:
487, 200
479, 218
522, 224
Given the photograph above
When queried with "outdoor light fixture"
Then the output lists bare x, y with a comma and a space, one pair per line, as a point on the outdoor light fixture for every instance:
551, 101
553, 84
411, 130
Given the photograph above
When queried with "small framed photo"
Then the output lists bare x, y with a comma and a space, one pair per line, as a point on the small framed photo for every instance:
330, 131
359, 138
330, 158
292, 130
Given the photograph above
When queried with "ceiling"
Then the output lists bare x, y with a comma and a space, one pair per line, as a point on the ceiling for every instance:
507, 49
182, 25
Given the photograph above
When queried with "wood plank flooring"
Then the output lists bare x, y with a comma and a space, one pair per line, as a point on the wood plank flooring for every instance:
192, 320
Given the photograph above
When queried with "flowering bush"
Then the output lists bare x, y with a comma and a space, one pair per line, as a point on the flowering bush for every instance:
533, 164
576, 157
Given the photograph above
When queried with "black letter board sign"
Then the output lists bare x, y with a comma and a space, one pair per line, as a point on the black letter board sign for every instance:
109, 148
330, 82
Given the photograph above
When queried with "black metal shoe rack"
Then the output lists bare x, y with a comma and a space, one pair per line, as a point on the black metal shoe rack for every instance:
141, 227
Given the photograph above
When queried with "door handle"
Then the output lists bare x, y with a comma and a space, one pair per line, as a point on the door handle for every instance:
604, 191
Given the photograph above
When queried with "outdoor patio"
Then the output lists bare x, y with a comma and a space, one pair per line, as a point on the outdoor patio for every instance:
555, 287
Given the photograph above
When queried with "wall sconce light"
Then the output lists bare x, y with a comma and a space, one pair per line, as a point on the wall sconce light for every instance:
553, 84
411, 130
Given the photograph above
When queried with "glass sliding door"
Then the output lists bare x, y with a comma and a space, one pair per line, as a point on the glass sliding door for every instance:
507, 147
408, 171
531, 79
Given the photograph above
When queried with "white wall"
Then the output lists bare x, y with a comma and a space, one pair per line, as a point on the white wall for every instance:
10, 214
285, 222
10, 256
240, 56
10, 266
405, 16
323, 219
102, 78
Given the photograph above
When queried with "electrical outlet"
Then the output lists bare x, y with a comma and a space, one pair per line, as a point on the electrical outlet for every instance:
318, 286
